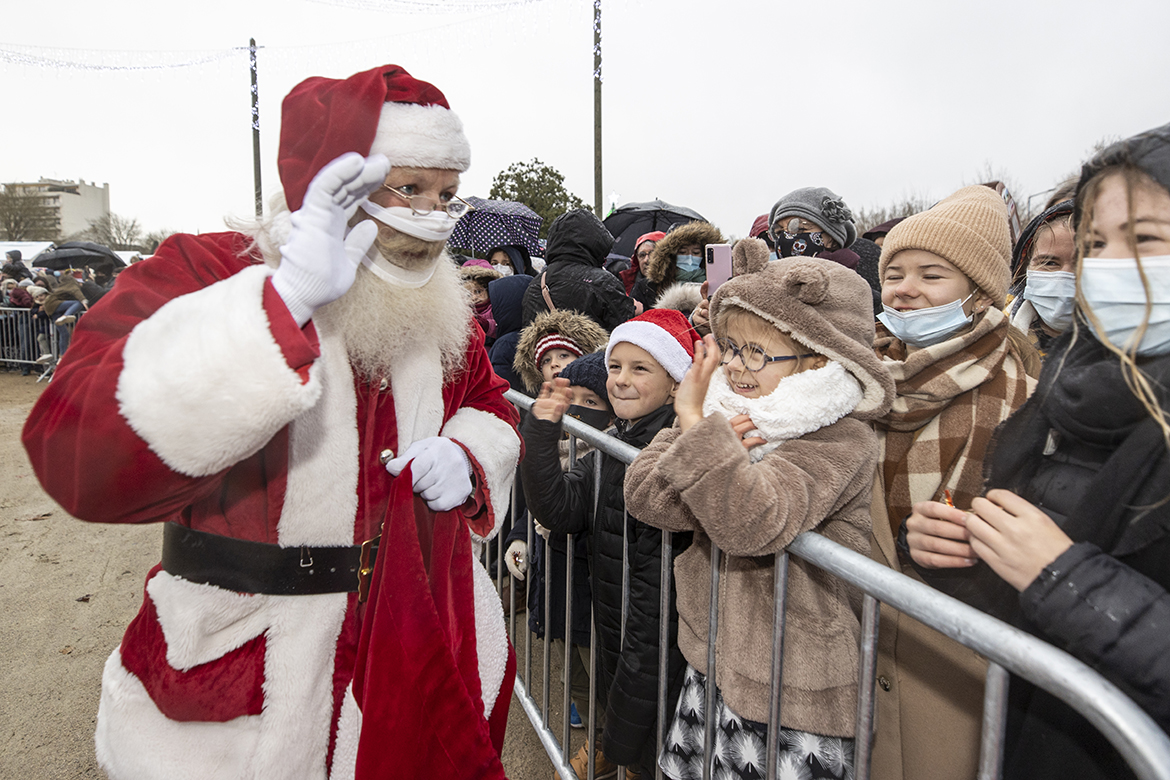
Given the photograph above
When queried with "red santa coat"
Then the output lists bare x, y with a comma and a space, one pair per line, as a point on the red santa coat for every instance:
190, 395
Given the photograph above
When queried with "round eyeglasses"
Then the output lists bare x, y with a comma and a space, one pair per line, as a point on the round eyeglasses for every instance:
420, 205
753, 358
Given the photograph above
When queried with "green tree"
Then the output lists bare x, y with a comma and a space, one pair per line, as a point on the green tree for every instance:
538, 186
24, 216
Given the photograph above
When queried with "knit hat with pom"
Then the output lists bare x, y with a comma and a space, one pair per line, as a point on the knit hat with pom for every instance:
968, 229
665, 333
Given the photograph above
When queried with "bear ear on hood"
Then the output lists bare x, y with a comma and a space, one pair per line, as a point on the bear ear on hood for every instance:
749, 256
806, 282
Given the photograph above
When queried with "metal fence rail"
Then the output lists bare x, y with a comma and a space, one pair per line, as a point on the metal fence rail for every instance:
1132, 732
26, 341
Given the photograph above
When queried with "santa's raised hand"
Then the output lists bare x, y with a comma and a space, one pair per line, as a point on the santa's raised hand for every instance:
319, 262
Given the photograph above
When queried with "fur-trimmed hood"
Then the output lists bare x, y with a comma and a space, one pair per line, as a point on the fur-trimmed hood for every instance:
823, 306
683, 297
584, 332
660, 268
479, 271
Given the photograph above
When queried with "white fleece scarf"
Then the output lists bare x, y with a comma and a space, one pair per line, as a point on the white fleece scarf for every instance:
800, 404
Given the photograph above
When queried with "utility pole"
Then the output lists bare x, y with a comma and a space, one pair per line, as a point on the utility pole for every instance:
255, 130
598, 198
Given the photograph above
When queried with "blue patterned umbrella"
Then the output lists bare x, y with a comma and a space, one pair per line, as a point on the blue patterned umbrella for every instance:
494, 223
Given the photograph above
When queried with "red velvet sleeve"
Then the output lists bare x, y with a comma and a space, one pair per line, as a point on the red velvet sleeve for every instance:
81, 448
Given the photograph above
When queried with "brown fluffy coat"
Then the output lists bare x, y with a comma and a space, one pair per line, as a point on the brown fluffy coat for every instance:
820, 481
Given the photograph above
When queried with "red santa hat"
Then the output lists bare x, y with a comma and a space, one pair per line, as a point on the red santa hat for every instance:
665, 333
384, 110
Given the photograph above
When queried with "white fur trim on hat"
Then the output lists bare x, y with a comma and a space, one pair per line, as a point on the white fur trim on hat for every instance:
662, 346
422, 137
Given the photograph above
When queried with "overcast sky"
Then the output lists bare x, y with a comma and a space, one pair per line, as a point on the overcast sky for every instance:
722, 107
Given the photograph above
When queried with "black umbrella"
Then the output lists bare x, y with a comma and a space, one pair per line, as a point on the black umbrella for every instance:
495, 223
635, 219
77, 254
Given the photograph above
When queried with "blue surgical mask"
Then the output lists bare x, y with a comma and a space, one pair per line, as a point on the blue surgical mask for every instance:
926, 327
688, 262
1053, 295
1115, 294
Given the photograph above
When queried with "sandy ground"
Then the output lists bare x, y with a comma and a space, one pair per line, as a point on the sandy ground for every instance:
69, 588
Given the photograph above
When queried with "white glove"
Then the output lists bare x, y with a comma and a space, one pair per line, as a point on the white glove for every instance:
540, 529
319, 262
440, 469
517, 558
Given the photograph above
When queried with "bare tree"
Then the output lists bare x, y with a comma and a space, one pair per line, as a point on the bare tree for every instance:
115, 231
868, 218
25, 217
151, 240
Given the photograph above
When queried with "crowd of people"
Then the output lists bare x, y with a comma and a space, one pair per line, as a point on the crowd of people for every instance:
52, 302
975, 406
976, 409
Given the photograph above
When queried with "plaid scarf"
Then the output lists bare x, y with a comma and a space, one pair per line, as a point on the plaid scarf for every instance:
951, 397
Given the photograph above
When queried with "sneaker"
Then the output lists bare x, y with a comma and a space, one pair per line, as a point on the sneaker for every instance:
602, 766
574, 718
67, 319
45, 359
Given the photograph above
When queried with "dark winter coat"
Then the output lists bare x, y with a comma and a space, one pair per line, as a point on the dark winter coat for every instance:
660, 270
1105, 600
577, 247
521, 259
629, 674
506, 296
551, 556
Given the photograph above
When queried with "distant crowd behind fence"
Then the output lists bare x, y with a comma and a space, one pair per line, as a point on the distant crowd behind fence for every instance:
1136, 736
19, 342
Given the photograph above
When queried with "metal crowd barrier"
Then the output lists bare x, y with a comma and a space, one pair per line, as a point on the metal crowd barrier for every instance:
19, 342
1132, 732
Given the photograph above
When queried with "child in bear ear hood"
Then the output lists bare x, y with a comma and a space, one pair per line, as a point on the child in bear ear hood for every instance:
773, 439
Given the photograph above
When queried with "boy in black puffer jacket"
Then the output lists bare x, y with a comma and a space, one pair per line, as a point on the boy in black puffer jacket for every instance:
646, 359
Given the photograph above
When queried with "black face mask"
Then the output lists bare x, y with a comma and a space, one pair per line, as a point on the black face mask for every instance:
595, 418
806, 244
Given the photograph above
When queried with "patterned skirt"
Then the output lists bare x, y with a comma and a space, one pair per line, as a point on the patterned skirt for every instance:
740, 751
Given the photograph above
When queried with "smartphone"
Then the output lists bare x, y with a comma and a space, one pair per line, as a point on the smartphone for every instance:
718, 257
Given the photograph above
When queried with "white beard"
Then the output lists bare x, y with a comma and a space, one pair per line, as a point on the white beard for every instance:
379, 321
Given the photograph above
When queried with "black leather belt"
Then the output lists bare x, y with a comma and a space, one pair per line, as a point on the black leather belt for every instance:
257, 567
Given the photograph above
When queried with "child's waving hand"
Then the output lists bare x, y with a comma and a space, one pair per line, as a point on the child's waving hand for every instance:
688, 400
555, 397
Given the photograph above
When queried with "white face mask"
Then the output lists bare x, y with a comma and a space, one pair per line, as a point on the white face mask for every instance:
925, 327
391, 274
1114, 292
505, 270
436, 226
1053, 295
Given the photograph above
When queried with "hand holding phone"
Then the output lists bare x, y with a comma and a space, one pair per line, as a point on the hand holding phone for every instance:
718, 261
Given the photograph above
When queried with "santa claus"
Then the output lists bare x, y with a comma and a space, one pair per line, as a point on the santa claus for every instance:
281, 397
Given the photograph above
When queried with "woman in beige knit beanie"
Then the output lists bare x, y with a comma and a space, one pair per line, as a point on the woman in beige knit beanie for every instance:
945, 339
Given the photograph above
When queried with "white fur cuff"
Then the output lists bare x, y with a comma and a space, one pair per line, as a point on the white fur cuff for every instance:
204, 382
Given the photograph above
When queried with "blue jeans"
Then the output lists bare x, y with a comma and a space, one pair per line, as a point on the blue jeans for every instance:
65, 332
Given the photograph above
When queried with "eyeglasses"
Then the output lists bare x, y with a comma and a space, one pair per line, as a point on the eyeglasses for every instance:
421, 205
753, 358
